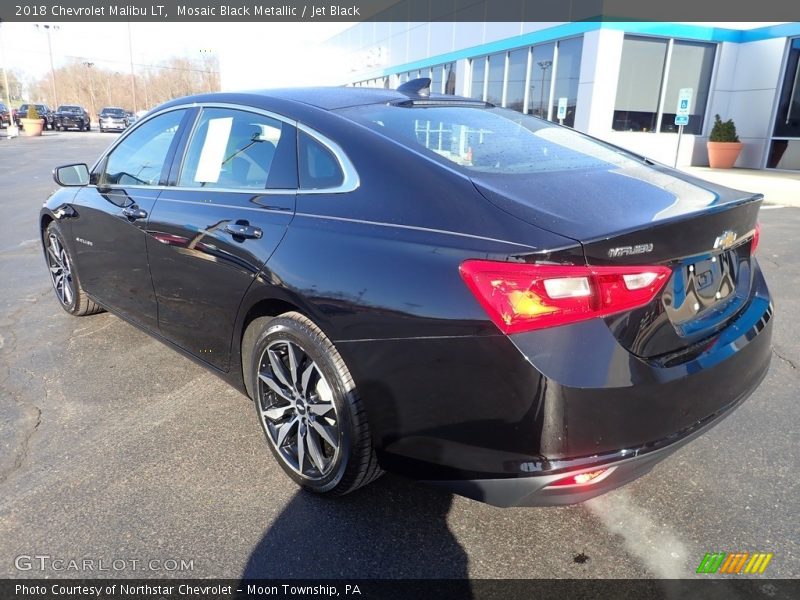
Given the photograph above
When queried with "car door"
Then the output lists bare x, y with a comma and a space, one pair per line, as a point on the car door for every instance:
112, 212
212, 232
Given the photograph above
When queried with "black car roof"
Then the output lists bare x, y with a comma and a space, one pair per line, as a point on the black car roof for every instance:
325, 98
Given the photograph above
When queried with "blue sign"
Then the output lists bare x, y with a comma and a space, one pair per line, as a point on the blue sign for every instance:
681, 120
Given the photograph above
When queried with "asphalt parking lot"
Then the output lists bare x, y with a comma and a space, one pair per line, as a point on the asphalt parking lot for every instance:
114, 447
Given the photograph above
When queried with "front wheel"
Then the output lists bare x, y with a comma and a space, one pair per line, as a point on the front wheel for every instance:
65, 282
307, 405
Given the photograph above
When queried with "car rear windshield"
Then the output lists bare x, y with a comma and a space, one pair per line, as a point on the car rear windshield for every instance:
69, 109
488, 140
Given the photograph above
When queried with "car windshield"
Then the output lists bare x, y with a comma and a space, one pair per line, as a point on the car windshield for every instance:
72, 109
113, 112
488, 140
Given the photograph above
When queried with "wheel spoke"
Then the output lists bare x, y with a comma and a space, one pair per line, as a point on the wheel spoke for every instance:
307, 377
324, 432
320, 408
55, 256
277, 368
293, 367
301, 451
276, 413
284, 430
313, 449
273, 385
67, 292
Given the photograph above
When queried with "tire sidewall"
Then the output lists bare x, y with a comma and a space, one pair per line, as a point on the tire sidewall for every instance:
284, 328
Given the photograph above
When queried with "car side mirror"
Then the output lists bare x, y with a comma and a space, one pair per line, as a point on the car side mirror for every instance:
71, 175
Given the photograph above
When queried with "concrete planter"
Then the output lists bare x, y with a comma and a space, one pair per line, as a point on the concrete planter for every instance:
32, 127
723, 155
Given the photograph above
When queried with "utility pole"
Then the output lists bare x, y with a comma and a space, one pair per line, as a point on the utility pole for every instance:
12, 127
89, 65
47, 29
133, 76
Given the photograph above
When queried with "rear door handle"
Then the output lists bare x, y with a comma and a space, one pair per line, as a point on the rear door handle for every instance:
134, 212
244, 230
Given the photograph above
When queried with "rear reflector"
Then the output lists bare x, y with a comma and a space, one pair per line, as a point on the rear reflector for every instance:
523, 297
756, 239
588, 478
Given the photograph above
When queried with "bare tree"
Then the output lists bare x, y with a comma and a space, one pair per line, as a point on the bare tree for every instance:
90, 85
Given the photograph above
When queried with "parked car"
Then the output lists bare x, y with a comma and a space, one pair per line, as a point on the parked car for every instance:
44, 113
113, 118
132, 118
6, 116
424, 283
72, 116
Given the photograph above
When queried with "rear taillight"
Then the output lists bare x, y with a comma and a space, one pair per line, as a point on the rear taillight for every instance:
756, 239
587, 478
523, 297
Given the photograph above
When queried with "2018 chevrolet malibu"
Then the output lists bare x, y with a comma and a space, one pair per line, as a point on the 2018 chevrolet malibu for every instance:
424, 284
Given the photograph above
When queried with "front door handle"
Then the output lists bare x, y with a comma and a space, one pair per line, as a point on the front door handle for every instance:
134, 212
244, 230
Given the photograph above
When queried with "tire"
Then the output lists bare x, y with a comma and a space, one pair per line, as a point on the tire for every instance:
67, 287
316, 427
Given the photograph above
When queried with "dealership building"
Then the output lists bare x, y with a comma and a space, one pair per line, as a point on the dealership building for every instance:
617, 81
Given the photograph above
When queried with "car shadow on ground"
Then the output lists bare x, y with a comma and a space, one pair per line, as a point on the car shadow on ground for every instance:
392, 528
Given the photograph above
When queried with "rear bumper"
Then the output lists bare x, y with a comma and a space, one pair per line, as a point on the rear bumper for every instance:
626, 465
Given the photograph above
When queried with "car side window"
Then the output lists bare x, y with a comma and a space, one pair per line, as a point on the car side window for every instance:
139, 158
240, 150
319, 168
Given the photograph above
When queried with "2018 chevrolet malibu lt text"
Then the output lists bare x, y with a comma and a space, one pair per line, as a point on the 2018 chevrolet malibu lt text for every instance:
424, 284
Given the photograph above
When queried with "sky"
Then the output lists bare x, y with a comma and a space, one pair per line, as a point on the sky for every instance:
251, 55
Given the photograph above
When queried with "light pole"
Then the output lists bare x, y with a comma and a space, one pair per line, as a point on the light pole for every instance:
133, 76
543, 65
47, 29
89, 65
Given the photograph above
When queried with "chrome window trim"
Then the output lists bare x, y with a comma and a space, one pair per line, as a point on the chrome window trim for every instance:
350, 182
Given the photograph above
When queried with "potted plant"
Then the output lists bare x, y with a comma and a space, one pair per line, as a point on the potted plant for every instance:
723, 144
32, 124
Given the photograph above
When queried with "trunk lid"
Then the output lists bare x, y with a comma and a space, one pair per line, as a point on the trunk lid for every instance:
638, 214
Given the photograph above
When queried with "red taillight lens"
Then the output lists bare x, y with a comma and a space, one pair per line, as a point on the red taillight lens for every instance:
756, 239
523, 297
587, 478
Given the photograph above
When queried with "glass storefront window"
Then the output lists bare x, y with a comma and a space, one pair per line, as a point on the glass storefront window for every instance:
568, 73
497, 69
690, 67
478, 77
541, 79
515, 88
639, 89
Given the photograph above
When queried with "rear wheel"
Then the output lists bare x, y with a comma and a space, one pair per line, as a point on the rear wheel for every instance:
307, 405
65, 282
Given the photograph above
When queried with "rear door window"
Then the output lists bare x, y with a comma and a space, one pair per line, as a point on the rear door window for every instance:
236, 149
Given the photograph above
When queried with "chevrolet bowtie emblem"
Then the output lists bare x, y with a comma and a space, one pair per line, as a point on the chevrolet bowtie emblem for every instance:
725, 241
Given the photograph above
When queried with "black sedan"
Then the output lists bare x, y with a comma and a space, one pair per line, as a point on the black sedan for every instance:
72, 116
112, 119
425, 284
44, 113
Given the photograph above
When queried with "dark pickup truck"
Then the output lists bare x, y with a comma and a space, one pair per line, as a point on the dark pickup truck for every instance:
44, 113
72, 116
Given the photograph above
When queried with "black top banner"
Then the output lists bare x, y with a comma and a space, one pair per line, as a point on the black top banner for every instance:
399, 10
